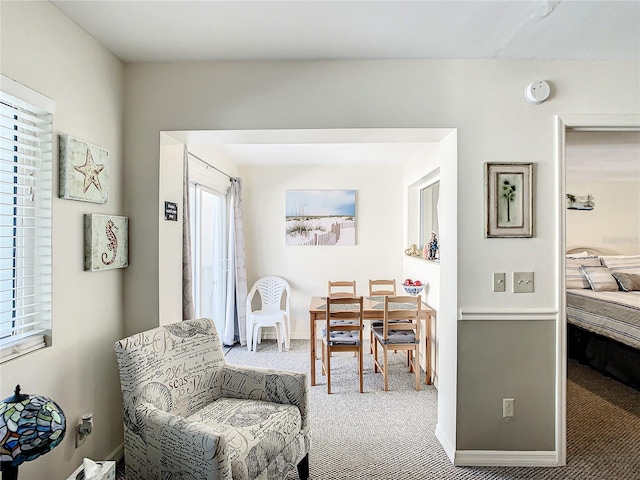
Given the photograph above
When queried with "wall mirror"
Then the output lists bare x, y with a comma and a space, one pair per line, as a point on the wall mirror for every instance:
429, 211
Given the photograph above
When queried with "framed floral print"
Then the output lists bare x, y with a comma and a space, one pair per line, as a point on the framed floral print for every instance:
509, 200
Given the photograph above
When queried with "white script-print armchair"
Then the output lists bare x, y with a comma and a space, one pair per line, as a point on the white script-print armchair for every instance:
190, 415
274, 311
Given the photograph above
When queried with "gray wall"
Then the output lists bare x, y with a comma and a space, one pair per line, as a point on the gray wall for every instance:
516, 347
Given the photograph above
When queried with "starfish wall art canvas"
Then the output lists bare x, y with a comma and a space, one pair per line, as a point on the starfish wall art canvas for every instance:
84, 171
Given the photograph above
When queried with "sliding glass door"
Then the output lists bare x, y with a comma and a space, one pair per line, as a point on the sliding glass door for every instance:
209, 253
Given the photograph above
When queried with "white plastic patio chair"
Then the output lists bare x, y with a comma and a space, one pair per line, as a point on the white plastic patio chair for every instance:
271, 313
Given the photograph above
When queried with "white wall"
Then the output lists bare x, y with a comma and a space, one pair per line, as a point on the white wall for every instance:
447, 326
169, 232
47, 52
440, 160
419, 171
613, 226
377, 253
484, 101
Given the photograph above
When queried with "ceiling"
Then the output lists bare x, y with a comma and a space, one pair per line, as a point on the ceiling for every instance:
181, 30
350, 146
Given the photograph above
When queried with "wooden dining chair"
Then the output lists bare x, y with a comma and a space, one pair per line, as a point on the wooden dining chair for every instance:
379, 288
342, 333
342, 288
400, 330
382, 287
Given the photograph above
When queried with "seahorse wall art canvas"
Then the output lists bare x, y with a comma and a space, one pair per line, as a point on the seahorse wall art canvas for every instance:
84, 171
106, 242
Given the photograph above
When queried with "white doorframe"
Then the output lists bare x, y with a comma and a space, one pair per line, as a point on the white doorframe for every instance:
563, 122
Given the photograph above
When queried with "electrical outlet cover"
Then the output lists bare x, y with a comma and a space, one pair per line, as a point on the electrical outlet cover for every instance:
508, 407
523, 282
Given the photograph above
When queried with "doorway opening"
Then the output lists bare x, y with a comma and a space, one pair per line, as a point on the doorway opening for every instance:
271, 162
566, 126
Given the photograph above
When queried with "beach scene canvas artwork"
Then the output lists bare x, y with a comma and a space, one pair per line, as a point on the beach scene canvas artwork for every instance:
321, 217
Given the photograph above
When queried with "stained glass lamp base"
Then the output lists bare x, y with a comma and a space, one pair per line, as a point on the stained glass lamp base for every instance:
9, 472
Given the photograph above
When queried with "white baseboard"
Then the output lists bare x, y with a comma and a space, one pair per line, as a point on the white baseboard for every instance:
117, 454
269, 334
447, 445
498, 458
512, 314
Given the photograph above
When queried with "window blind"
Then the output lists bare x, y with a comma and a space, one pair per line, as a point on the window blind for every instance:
25, 222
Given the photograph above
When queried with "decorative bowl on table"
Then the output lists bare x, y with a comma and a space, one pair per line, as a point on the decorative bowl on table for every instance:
413, 289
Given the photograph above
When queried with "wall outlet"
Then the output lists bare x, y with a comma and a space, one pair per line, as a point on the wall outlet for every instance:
508, 407
80, 437
84, 429
522, 282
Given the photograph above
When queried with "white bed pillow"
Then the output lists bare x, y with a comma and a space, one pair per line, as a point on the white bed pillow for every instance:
622, 263
575, 277
600, 279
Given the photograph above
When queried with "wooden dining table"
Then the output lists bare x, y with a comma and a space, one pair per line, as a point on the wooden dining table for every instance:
373, 308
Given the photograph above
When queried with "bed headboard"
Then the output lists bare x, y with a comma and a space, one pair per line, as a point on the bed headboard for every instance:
589, 250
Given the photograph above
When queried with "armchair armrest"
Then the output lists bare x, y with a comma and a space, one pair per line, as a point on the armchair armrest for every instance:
278, 386
183, 447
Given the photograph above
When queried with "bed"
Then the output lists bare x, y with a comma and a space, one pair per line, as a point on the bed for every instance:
603, 320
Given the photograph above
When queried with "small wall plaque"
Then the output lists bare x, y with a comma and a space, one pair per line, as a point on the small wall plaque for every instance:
171, 211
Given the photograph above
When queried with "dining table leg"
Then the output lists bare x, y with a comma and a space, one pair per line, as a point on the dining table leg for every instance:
312, 347
428, 350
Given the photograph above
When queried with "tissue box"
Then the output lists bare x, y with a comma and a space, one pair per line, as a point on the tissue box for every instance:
107, 472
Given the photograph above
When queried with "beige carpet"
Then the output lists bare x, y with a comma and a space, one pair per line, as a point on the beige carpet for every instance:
373, 435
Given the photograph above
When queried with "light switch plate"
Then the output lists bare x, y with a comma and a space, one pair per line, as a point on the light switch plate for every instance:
499, 282
523, 282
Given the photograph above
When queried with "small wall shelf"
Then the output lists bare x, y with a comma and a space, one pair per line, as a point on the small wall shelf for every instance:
437, 262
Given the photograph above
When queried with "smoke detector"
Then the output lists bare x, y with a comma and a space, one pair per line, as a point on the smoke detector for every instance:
537, 92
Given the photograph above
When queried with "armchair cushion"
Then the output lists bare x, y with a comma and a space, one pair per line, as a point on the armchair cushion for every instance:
263, 436
174, 444
267, 384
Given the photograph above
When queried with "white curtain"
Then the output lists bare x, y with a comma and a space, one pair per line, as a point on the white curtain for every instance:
235, 323
187, 284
